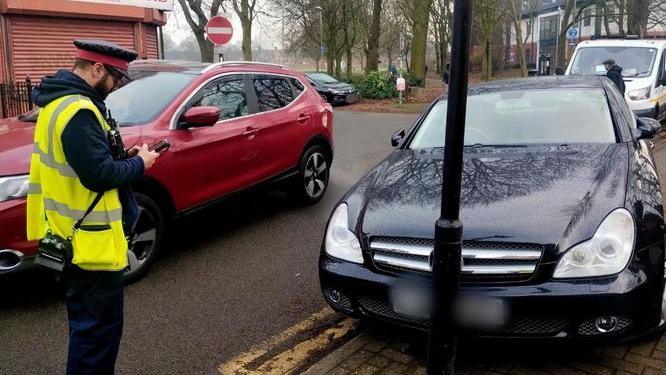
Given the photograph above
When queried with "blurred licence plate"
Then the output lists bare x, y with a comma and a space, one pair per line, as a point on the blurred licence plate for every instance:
411, 300
351, 98
481, 312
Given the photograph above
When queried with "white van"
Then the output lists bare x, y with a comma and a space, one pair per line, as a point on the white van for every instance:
643, 68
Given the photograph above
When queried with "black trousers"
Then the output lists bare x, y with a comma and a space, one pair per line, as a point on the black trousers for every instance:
95, 315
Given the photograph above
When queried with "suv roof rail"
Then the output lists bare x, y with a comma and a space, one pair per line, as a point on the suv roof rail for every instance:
228, 63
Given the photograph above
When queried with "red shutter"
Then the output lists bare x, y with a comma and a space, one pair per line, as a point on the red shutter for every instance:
42, 45
150, 43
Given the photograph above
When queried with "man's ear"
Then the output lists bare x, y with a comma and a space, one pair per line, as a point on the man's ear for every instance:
98, 70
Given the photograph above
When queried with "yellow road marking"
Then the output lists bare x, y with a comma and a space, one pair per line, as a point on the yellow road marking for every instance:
288, 360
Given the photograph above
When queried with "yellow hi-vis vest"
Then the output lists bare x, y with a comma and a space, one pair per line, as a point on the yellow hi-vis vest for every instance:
57, 199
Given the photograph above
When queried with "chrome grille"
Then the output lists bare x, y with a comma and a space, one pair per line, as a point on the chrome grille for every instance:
480, 259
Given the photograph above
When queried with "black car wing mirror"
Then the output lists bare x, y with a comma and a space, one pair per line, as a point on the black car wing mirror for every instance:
397, 137
646, 128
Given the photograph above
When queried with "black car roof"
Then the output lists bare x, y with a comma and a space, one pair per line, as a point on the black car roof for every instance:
536, 83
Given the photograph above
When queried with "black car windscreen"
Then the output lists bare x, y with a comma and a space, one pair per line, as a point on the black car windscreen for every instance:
142, 99
525, 117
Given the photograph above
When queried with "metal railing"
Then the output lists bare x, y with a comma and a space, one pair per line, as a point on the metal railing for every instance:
15, 98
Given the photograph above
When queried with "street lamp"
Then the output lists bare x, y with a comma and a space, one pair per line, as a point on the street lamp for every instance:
446, 258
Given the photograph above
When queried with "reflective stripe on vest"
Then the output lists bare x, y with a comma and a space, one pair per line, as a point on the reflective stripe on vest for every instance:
57, 199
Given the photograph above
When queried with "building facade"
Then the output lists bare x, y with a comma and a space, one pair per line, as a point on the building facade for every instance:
37, 35
541, 27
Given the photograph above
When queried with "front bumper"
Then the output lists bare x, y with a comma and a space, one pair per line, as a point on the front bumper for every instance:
549, 310
350, 98
13, 233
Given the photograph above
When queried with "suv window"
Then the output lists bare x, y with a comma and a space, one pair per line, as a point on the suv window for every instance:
272, 92
297, 86
227, 94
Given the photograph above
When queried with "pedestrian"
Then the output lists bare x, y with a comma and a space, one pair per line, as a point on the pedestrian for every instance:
79, 195
445, 75
614, 72
394, 71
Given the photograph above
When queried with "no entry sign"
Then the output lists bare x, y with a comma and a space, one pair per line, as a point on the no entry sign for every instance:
219, 30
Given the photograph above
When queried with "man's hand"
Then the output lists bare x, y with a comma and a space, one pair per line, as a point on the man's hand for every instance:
147, 155
134, 151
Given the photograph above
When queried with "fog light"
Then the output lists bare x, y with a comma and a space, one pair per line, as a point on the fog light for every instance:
606, 324
335, 296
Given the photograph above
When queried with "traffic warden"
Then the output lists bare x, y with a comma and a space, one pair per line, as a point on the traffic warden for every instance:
614, 73
79, 196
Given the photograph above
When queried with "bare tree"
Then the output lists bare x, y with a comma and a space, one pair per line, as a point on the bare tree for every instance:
486, 17
570, 16
391, 26
372, 56
245, 9
197, 9
517, 11
420, 18
442, 20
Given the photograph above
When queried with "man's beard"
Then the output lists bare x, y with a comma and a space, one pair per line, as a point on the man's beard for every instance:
101, 89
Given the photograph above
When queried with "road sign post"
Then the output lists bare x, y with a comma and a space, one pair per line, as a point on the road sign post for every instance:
400, 85
446, 257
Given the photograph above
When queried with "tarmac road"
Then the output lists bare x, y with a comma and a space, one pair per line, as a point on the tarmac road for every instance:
230, 277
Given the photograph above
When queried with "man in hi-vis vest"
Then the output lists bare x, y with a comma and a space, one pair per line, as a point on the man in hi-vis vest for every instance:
74, 170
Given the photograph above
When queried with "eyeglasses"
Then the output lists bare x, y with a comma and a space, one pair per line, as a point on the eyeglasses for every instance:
117, 77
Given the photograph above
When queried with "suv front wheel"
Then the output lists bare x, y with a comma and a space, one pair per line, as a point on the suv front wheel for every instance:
144, 241
314, 171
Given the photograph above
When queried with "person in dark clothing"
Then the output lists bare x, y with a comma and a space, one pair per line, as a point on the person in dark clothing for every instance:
95, 297
614, 73
445, 75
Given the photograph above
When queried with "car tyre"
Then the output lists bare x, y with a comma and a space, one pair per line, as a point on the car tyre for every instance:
314, 171
145, 240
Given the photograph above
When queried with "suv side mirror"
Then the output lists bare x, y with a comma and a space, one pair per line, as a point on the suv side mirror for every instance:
201, 116
397, 137
647, 127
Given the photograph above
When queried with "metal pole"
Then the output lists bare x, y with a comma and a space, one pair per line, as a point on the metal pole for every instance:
321, 34
442, 337
161, 43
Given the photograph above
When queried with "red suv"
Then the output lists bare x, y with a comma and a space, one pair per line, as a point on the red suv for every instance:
231, 126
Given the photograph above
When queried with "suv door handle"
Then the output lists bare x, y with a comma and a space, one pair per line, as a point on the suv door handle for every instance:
250, 131
303, 118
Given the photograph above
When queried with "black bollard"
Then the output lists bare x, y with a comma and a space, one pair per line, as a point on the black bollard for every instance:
446, 258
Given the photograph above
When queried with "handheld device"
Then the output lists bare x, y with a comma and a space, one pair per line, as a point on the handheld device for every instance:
160, 146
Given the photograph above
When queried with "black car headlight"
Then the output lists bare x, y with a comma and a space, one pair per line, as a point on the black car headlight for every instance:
341, 243
606, 253
13, 187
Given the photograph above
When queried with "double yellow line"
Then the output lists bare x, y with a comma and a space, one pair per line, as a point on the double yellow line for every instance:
292, 359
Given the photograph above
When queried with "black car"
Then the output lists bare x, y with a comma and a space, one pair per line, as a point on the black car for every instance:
334, 91
562, 212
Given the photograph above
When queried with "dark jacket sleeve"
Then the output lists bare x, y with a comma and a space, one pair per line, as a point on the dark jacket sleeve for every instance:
88, 153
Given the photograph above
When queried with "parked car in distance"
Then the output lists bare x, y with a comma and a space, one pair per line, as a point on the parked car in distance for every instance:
334, 91
643, 64
561, 207
232, 126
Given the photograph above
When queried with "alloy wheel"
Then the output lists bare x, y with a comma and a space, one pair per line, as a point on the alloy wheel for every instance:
315, 176
141, 243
